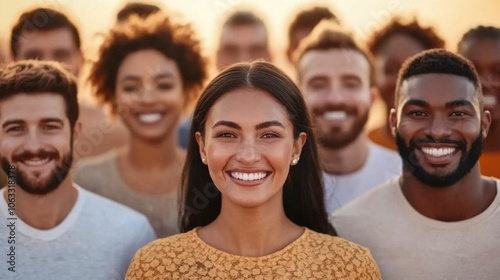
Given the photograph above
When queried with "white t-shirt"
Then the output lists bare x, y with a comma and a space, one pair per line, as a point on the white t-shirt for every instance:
97, 240
381, 164
408, 245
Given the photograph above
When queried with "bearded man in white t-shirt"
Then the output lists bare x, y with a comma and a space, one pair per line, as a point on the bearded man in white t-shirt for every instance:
337, 80
52, 228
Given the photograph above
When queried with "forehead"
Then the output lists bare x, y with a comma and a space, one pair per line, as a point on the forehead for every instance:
437, 89
248, 106
31, 107
244, 34
47, 40
481, 50
399, 46
147, 63
333, 62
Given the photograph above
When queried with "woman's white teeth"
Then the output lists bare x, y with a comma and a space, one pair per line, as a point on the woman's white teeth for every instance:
438, 152
335, 115
36, 162
149, 118
490, 100
248, 176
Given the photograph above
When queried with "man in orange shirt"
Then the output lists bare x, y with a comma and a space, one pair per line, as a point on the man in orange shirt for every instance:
481, 45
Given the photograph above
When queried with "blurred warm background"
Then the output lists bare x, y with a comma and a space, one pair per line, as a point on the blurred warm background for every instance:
451, 18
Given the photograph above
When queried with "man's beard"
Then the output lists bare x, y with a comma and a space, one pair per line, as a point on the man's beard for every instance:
467, 160
335, 138
40, 186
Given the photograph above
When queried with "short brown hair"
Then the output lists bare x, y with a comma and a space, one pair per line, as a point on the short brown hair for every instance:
39, 77
142, 10
329, 35
308, 19
157, 32
41, 19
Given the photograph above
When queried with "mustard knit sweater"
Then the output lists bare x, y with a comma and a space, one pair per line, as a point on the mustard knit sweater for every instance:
312, 256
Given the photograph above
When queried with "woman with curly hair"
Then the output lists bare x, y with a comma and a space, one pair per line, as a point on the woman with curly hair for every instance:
148, 71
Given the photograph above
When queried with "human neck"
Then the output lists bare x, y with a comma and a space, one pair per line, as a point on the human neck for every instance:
149, 156
45, 211
251, 232
461, 201
492, 142
345, 160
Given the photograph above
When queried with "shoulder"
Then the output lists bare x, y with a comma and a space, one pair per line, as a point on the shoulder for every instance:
178, 242
381, 151
340, 253
335, 245
97, 162
372, 201
111, 211
94, 171
181, 247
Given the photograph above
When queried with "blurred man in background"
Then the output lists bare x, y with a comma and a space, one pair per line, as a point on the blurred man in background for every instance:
46, 34
303, 23
244, 37
336, 78
481, 45
390, 47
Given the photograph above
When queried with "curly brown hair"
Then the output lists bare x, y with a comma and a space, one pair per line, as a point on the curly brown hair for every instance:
176, 41
426, 36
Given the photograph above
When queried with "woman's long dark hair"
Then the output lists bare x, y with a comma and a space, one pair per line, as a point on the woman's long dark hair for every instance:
303, 191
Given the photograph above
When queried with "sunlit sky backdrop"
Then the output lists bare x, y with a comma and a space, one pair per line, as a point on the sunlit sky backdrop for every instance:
450, 17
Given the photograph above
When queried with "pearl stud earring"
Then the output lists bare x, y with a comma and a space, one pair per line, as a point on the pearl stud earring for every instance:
295, 161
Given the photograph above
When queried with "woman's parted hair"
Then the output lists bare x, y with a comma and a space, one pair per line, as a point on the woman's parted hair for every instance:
157, 32
303, 191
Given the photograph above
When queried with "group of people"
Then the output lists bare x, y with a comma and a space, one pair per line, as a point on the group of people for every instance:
269, 177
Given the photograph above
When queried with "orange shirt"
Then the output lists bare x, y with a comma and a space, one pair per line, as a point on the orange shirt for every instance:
490, 163
381, 137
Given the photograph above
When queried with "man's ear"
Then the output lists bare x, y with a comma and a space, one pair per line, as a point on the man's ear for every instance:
393, 121
77, 130
485, 123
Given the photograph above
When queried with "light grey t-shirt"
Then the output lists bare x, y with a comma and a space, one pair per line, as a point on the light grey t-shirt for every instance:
409, 245
100, 175
380, 165
97, 240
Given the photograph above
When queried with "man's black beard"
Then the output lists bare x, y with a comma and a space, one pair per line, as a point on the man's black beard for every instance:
467, 160
55, 178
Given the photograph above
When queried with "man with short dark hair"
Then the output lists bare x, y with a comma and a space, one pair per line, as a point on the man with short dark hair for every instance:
441, 218
481, 45
336, 78
56, 229
46, 34
139, 9
303, 23
244, 37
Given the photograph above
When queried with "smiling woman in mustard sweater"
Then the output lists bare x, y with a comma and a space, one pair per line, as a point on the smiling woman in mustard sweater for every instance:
253, 201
